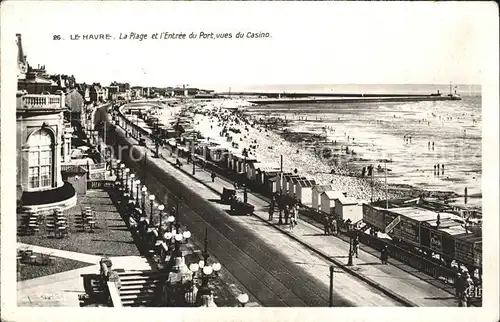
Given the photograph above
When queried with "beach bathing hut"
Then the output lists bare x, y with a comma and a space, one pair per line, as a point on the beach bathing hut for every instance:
273, 184
216, 154
295, 185
267, 171
290, 185
285, 180
232, 160
328, 201
244, 163
348, 208
316, 191
252, 171
304, 192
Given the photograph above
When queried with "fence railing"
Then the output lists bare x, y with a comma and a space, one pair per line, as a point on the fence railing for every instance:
34, 101
100, 184
114, 294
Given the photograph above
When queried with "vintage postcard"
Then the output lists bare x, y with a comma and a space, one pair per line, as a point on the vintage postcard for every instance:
262, 160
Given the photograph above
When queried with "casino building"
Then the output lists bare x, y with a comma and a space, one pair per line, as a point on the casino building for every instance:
43, 140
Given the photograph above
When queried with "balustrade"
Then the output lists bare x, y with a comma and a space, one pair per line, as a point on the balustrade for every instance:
33, 101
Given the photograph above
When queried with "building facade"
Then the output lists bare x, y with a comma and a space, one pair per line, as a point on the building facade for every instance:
41, 147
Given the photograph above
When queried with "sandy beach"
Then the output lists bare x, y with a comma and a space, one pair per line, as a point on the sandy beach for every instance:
315, 144
270, 145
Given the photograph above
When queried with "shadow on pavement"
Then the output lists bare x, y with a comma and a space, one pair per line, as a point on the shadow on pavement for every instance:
114, 241
373, 263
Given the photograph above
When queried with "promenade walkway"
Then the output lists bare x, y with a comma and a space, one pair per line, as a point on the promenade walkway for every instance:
416, 291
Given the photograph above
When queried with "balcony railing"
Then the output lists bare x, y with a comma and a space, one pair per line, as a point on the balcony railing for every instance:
34, 101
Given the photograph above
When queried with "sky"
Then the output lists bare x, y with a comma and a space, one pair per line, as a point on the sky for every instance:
316, 42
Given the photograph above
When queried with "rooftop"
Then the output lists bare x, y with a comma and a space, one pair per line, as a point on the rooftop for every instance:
419, 214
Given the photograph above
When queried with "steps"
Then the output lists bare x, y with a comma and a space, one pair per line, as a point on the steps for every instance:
138, 287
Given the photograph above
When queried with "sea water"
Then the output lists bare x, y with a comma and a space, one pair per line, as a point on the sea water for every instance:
377, 131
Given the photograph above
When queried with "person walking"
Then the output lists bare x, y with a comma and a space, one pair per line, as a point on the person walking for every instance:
326, 225
213, 176
293, 217
271, 211
333, 225
355, 246
462, 300
384, 255
287, 214
469, 288
459, 285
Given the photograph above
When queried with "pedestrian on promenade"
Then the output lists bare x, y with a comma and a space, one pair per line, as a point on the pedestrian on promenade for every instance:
326, 225
384, 255
355, 246
293, 218
333, 225
437, 167
271, 211
287, 214
434, 169
442, 169
463, 300
459, 285
469, 288
213, 176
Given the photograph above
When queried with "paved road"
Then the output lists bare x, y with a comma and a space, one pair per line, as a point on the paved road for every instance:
275, 270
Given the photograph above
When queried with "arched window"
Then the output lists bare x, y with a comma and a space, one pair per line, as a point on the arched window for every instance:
40, 159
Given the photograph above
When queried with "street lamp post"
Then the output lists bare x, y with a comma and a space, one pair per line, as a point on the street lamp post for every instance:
110, 163
331, 286
122, 167
137, 184
349, 261
206, 272
170, 220
280, 203
151, 200
127, 170
132, 176
117, 170
192, 159
143, 199
160, 225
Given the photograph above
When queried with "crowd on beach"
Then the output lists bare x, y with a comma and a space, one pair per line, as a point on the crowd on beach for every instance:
226, 123
233, 129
